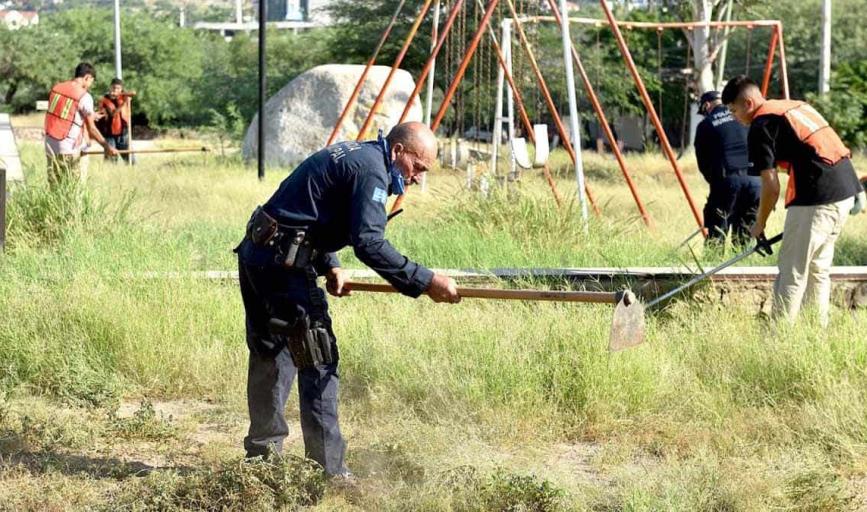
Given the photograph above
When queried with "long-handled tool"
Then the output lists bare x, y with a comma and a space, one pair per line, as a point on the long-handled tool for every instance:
137, 151
763, 246
627, 326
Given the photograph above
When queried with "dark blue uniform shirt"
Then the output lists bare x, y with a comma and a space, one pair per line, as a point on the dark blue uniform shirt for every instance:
339, 193
721, 145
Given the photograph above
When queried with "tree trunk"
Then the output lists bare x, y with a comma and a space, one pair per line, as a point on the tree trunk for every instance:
701, 47
702, 71
10, 93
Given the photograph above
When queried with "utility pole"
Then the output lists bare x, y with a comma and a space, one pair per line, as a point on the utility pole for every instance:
825, 55
117, 67
263, 13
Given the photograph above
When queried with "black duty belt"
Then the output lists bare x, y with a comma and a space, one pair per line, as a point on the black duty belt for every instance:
291, 244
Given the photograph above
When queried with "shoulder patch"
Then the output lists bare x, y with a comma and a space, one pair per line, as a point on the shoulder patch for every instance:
380, 195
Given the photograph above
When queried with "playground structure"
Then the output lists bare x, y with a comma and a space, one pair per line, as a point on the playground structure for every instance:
453, 32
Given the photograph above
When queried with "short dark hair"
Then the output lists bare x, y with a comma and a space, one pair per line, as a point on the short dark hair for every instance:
84, 69
116, 81
736, 87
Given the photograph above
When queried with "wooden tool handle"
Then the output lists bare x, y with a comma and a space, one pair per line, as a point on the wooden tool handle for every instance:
129, 151
494, 293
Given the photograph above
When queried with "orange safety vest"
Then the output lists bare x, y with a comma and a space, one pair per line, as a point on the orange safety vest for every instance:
62, 106
811, 129
118, 113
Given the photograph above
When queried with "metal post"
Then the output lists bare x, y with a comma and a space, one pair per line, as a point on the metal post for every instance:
376, 103
573, 107
118, 72
510, 100
129, 132
546, 93
263, 13
648, 105
825, 54
428, 100
355, 92
497, 129
784, 73
3, 208
603, 122
769, 64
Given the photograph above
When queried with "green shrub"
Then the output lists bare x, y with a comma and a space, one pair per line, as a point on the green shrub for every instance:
845, 106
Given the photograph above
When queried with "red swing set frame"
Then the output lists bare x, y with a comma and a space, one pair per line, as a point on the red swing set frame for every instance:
776, 42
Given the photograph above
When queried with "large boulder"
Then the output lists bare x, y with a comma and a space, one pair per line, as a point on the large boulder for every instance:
299, 118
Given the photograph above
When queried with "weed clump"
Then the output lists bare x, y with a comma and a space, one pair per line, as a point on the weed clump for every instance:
144, 424
278, 483
818, 489
502, 490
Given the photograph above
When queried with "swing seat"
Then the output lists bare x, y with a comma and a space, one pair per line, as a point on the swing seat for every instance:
522, 155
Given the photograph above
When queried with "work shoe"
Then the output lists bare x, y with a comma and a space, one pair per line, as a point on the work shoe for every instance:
346, 484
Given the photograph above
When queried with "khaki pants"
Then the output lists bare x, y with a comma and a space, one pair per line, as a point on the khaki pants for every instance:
806, 257
64, 167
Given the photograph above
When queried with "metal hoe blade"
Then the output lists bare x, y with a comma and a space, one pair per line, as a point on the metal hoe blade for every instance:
627, 326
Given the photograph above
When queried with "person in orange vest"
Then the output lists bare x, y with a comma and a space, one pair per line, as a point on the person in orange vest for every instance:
70, 111
822, 191
114, 126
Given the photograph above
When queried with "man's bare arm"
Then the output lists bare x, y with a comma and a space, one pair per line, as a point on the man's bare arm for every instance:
90, 123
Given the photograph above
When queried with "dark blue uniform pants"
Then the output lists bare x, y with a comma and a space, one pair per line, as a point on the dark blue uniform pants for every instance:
732, 204
272, 291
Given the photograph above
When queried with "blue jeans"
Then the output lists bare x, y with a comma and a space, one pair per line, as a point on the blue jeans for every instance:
271, 291
120, 143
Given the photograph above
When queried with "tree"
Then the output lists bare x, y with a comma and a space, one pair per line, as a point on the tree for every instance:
161, 61
845, 106
31, 61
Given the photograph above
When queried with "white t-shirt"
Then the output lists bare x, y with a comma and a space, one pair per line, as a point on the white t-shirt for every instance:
67, 146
